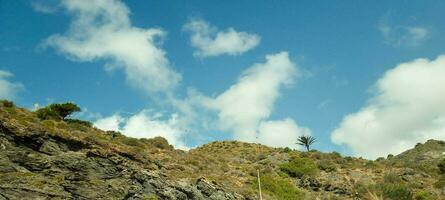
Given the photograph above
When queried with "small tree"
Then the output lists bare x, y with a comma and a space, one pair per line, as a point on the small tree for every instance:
441, 166
57, 111
306, 141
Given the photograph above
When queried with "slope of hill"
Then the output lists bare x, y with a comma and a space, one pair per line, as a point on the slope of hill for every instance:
46, 159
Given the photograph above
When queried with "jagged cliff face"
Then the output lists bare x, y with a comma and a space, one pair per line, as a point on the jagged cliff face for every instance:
61, 160
37, 164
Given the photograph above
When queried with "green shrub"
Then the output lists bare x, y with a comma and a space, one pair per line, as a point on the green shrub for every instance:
335, 154
278, 187
287, 150
114, 134
441, 166
47, 114
80, 122
395, 191
392, 178
57, 111
7, 104
380, 159
327, 166
299, 167
392, 187
423, 195
159, 142
131, 141
440, 183
49, 124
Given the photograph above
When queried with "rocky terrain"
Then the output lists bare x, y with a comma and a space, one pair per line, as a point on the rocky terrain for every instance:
48, 159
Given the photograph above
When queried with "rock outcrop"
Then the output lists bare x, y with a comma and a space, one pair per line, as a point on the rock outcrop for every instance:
37, 165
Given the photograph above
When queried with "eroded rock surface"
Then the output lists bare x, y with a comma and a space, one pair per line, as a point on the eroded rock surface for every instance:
40, 166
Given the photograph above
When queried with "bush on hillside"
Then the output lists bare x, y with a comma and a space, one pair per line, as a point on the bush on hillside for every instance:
423, 195
114, 134
440, 183
7, 104
57, 111
393, 187
158, 142
80, 122
395, 191
441, 166
278, 187
299, 167
327, 166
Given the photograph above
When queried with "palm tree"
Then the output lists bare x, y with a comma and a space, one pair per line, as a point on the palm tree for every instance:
306, 141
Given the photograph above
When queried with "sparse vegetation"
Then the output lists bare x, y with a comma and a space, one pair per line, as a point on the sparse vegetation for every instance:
327, 166
79, 122
279, 188
441, 166
159, 142
423, 195
392, 187
7, 103
306, 141
285, 173
299, 167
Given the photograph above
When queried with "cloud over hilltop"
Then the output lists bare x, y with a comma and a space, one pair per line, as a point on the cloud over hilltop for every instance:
408, 107
8, 89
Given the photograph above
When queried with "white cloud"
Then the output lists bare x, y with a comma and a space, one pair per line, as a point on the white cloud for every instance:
408, 107
111, 123
208, 41
8, 89
399, 36
101, 29
280, 133
145, 124
245, 107
44, 6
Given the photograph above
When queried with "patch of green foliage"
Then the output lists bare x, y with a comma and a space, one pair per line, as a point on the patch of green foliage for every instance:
423, 195
7, 104
393, 187
150, 197
327, 166
57, 111
395, 191
114, 134
440, 183
441, 166
158, 142
299, 167
278, 187
79, 122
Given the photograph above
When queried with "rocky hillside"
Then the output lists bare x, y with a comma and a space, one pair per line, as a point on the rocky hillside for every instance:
69, 159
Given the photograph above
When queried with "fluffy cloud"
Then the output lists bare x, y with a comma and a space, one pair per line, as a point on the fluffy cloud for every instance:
208, 41
44, 6
111, 123
145, 124
245, 107
101, 29
8, 89
409, 36
280, 133
408, 107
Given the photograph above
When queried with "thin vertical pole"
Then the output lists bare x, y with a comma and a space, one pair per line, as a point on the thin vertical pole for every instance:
259, 184
258, 173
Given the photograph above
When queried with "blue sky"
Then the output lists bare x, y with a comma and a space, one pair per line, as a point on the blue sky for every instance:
337, 52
